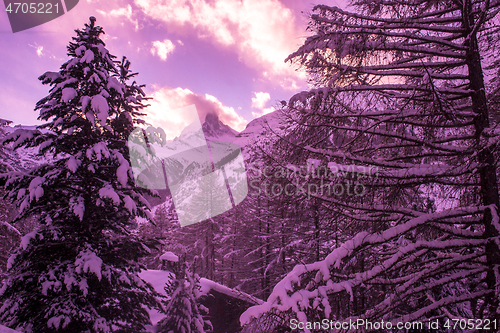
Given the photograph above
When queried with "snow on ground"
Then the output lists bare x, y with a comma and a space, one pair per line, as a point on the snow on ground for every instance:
169, 256
207, 285
157, 278
4, 329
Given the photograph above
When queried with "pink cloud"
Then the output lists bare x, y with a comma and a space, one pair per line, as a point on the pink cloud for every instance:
39, 49
262, 32
163, 49
260, 99
124, 12
259, 102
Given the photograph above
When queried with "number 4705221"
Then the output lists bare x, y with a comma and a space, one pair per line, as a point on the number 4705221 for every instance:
24, 14
32, 7
471, 324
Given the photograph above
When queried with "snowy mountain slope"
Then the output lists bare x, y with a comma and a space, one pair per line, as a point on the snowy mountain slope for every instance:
203, 169
158, 279
189, 153
261, 132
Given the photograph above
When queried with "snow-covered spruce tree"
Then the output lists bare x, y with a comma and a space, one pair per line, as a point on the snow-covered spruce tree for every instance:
79, 271
161, 234
184, 313
399, 87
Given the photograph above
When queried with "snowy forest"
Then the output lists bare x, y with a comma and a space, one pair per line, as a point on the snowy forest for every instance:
372, 197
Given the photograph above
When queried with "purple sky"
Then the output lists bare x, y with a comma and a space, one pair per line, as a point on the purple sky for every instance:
222, 55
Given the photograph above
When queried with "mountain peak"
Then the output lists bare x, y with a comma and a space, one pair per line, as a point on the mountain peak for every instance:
211, 118
213, 128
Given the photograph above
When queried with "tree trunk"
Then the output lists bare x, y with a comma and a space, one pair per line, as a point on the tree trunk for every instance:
487, 170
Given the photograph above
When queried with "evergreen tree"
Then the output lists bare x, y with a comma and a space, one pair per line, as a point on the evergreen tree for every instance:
184, 313
79, 271
160, 236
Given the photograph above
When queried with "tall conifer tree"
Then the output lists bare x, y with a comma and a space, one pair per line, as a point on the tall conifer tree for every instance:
79, 271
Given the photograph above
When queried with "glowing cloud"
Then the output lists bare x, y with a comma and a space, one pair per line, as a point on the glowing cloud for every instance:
162, 48
263, 112
121, 12
260, 100
262, 32
39, 49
